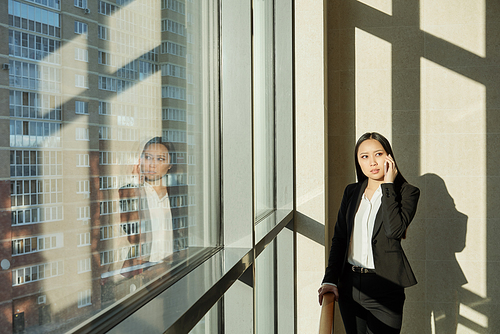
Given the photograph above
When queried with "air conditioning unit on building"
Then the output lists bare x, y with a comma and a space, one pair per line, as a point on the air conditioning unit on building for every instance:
87, 10
42, 299
5, 66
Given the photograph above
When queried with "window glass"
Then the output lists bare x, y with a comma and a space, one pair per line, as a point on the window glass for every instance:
112, 160
263, 94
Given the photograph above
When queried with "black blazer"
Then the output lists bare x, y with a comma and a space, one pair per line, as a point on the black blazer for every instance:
397, 209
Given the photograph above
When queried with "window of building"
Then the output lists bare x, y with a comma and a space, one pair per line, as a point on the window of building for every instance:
107, 83
173, 49
104, 58
35, 105
129, 228
103, 33
82, 134
105, 8
34, 134
37, 77
33, 47
84, 298
173, 70
81, 3
54, 4
26, 163
81, 107
83, 187
173, 114
108, 207
174, 27
37, 273
82, 160
174, 5
28, 192
37, 215
35, 244
115, 255
83, 213
94, 189
81, 81
84, 266
81, 54
129, 205
172, 92
81, 28
83, 239
116, 182
107, 232
175, 136
33, 18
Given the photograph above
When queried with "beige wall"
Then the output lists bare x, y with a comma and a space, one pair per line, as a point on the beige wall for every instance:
310, 160
425, 74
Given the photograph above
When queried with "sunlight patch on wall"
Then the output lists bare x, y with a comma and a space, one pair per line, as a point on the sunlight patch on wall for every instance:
77, 80
453, 128
373, 84
460, 22
474, 316
384, 6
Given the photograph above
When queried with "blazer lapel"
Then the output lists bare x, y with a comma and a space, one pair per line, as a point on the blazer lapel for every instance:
378, 222
354, 204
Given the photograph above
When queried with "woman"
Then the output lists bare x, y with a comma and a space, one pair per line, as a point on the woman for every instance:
156, 216
153, 213
367, 269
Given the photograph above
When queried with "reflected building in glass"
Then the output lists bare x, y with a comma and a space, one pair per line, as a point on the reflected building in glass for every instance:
89, 84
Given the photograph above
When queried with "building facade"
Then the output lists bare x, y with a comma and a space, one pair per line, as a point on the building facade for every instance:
86, 84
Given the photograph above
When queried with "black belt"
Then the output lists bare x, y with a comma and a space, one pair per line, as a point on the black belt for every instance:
361, 270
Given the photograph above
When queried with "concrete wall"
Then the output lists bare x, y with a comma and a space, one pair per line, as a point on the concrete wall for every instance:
310, 160
426, 75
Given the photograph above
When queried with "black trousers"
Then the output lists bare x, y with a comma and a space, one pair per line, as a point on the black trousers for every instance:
370, 304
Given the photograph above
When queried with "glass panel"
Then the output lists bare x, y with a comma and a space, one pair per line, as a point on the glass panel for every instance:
265, 290
113, 166
263, 92
210, 322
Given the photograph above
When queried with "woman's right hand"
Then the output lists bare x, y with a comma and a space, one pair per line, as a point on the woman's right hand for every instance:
327, 288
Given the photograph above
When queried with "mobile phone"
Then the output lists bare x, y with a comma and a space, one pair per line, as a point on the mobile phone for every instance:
386, 167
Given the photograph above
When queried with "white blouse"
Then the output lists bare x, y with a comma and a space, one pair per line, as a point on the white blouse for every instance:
161, 224
360, 248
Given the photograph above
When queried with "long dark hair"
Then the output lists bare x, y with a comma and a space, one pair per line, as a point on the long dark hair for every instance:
388, 149
158, 140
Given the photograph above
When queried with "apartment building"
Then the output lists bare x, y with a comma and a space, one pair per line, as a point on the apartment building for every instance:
88, 83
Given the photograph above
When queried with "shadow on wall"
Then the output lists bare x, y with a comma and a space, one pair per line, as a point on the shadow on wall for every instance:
446, 230
310, 228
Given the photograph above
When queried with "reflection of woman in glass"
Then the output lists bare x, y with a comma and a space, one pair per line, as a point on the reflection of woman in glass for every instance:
145, 231
155, 213
145, 213
367, 268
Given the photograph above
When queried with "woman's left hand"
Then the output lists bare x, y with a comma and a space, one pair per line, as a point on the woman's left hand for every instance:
390, 170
